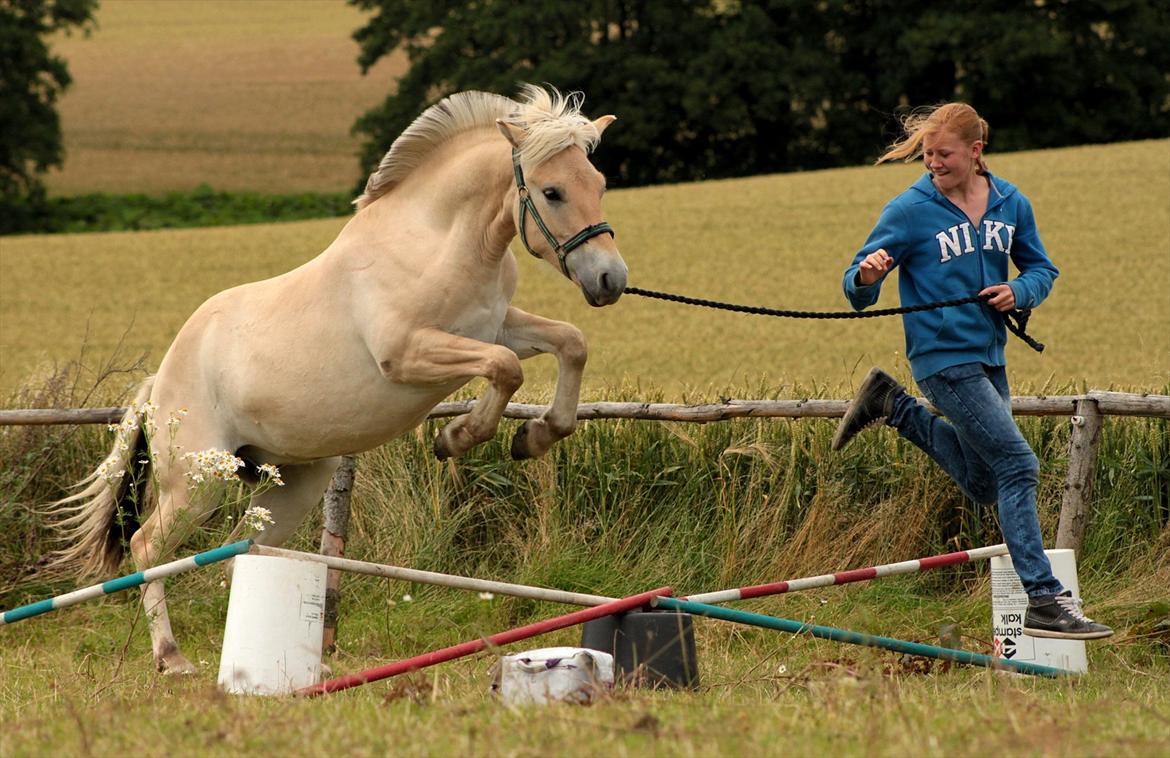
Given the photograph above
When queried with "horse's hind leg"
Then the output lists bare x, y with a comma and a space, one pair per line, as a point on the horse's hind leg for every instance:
179, 510
304, 485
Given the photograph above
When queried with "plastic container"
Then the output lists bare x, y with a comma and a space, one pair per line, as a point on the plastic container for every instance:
275, 619
552, 675
1009, 603
650, 648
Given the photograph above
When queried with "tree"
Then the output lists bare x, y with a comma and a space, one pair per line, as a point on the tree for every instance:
713, 88
31, 80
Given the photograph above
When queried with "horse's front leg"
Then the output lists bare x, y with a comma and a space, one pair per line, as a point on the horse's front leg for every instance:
528, 335
436, 357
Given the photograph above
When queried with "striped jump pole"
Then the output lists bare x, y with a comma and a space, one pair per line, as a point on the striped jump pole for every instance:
474, 646
126, 582
431, 577
857, 638
845, 577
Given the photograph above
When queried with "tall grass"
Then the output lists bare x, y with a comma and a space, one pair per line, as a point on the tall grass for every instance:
714, 505
623, 505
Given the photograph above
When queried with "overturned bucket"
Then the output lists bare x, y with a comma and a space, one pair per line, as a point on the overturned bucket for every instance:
1009, 606
649, 648
275, 620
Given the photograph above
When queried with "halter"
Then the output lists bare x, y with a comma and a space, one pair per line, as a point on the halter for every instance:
561, 249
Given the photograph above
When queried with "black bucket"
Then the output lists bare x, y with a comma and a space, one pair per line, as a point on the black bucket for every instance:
649, 648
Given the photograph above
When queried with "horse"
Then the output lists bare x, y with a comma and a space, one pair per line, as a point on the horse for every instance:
354, 348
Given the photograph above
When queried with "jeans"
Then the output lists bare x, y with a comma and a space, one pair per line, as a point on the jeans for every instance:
979, 445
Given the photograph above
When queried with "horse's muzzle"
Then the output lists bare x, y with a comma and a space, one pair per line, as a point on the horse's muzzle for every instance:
602, 281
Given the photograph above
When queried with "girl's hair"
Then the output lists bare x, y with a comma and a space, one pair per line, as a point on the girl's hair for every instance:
959, 119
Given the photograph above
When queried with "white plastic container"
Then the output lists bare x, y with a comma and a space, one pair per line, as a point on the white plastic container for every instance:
553, 674
275, 619
1009, 603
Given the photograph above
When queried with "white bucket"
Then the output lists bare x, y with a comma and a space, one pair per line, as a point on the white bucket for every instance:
1009, 603
553, 674
275, 619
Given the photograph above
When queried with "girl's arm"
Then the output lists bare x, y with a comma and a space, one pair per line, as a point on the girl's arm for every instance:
1037, 273
887, 236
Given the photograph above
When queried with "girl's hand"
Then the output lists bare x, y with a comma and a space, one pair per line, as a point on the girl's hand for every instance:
874, 267
1003, 299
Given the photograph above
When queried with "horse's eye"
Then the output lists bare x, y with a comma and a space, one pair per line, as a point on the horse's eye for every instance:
552, 195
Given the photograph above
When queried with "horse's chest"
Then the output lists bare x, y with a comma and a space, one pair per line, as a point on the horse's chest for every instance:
479, 321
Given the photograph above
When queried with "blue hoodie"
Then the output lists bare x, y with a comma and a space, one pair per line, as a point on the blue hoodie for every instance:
943, 256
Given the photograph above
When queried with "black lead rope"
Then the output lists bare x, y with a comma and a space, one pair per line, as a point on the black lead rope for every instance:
1016, 321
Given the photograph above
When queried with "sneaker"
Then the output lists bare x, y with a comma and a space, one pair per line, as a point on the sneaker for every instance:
1060, 617
873, 405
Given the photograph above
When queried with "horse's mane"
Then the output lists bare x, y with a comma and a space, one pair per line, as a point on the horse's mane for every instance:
551, 121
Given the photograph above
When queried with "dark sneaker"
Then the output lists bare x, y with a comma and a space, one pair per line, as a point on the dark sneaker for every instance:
873, 404
1060, 617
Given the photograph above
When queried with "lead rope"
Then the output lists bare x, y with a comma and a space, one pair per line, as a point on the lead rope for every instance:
1016, 321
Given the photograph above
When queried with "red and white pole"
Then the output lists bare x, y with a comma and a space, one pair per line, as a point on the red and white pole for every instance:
845, 577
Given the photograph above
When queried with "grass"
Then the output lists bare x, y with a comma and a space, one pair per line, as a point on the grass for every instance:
617, 508
1104, 213
256, 96
763, 694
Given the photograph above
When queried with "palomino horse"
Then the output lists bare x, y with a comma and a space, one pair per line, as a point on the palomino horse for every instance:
355, 347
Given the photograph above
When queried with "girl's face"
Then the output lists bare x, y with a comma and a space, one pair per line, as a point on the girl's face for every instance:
950, 160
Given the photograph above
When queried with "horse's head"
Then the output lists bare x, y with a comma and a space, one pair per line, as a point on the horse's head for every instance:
559, 210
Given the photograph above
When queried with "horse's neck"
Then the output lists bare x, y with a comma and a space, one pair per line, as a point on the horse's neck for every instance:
465, 192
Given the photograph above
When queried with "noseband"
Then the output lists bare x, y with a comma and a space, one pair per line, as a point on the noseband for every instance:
528, 206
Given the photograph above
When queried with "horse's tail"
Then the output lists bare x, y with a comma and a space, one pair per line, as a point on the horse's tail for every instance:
95, 523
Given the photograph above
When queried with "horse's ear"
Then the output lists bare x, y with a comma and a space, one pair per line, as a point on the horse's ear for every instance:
603, 122
511, 132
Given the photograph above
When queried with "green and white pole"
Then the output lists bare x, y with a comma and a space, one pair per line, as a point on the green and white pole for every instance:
857, 638
126, 582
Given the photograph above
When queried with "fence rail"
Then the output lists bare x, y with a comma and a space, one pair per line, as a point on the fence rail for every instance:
1107, 404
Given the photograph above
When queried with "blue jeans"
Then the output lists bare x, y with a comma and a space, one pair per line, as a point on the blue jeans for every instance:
980, 446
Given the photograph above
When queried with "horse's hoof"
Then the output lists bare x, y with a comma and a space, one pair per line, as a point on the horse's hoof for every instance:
174, 664
520, 444
440, 448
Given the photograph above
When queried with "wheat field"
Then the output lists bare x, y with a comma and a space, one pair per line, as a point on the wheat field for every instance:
236, 95
781, 241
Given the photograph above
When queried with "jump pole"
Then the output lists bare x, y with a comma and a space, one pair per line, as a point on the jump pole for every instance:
845, 577
857, 638
474, 646
431, 577
126, 582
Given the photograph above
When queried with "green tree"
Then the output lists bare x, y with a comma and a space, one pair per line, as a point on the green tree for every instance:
31, 80
712, 88
648, 62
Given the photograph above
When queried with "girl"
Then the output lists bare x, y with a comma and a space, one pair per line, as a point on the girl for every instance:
952, 233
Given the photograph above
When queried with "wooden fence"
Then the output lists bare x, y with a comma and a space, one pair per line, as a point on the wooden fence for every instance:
1085, 413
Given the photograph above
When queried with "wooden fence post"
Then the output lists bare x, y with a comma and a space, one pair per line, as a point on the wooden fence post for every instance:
336, 508
1078, 485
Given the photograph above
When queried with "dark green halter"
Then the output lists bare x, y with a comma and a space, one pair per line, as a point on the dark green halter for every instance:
561, 249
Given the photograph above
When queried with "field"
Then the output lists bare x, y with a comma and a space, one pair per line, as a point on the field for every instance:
778, 240
260, 96
237, 95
